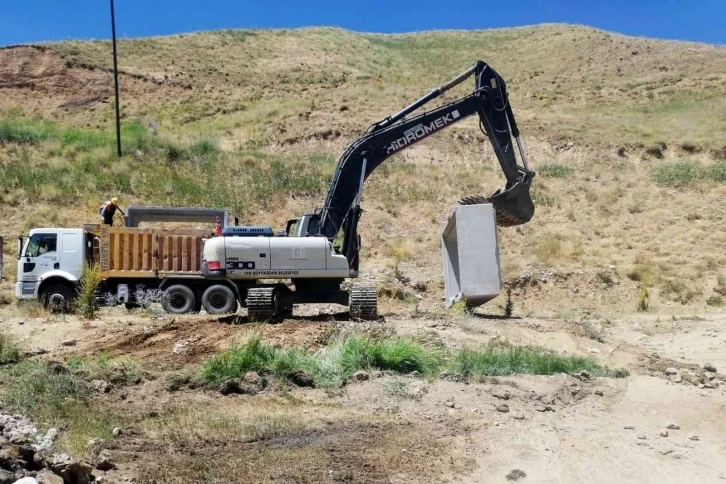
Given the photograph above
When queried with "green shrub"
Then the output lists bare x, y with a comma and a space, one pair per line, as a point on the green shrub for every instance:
555, 170
9, 350
715, 301
85, 303
684, 173
677, 174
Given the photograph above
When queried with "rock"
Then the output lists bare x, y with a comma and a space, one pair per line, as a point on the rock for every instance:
235, 385
710, 367
361, 375
671, 371
642, 437
96, 445
504, 408
599, 393
678, 379
445, 375
70, 342
672, 426
693, 437
664, 433
548, 399
252, 377
584, 375
7, 477
710, 375
518, 416
666, 452
47, 477
24, 480
594, 350
515, 475
117, 431
501, 394
629, 427
100, 386
449, 403
8, 454
540, 408
57, 368
103, 462
301, 379
415, 374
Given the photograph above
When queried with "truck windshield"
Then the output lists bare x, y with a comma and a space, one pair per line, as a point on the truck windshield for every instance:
40, 244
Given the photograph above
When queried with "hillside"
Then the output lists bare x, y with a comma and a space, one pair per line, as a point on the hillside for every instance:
628, 135
599, 363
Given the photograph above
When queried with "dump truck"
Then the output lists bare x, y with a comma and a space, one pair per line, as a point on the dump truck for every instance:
136, 265
130, 260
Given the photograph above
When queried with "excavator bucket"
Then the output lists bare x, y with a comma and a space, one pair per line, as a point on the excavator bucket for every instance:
512, 206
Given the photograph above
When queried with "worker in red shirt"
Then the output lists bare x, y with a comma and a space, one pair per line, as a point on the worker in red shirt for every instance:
218, 227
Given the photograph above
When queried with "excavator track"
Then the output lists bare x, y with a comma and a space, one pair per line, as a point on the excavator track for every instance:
363, 303
261, 304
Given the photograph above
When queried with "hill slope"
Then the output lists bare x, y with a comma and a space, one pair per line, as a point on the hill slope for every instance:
628, 135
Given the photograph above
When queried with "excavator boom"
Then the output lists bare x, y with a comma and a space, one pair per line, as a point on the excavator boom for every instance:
395, 133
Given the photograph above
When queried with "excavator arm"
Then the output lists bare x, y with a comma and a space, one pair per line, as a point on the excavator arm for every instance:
395, 133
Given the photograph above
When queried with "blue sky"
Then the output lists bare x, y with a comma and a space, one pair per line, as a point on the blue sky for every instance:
37, 20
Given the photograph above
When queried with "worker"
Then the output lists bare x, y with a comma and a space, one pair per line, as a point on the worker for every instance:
108, 210
218, 227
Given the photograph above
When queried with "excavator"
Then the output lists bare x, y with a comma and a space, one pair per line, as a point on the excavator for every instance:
305, 252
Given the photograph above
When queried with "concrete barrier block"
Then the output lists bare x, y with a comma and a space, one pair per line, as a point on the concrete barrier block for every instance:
470, 252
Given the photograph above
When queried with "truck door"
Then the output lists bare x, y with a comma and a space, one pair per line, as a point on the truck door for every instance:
71, 252
40, 256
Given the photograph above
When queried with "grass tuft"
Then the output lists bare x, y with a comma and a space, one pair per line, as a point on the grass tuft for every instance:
555, 170
334, 364
9, 350
510, 360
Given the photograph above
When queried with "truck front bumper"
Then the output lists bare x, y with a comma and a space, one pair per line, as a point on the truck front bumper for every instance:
26, 290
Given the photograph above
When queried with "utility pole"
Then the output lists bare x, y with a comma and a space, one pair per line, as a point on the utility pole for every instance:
115, 80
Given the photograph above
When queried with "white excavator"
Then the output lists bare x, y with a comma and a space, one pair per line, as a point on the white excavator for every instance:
305, 254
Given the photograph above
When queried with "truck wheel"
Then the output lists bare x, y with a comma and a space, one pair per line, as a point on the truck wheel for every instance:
219, 299
57, 299
363, 303
178, 299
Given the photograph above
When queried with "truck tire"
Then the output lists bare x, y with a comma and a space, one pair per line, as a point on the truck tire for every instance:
219, 299
57, 299
178, 299
363, 303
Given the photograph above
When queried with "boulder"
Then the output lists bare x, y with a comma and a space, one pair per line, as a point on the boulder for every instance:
361, 375
301, 378
46, 476
103, 461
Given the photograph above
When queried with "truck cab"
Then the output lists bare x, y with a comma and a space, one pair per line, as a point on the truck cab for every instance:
50, 257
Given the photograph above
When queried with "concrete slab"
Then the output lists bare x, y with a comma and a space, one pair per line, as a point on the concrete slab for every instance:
470, 253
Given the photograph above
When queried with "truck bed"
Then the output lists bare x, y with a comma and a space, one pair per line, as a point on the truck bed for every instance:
147, 252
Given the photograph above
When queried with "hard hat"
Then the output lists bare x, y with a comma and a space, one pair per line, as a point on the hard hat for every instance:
114, 200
